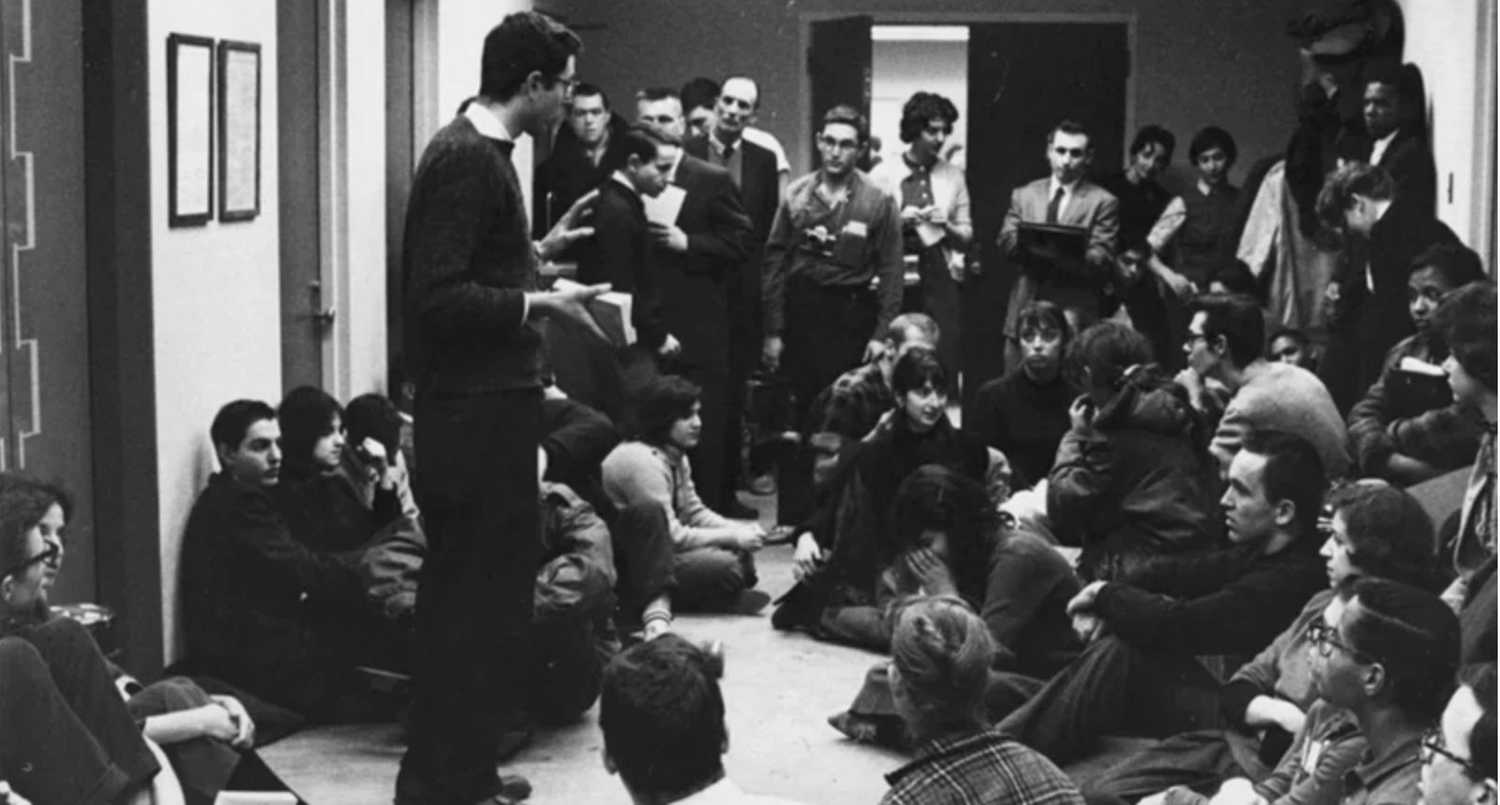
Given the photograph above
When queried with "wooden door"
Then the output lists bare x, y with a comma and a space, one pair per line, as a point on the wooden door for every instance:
1023, 79
306, 311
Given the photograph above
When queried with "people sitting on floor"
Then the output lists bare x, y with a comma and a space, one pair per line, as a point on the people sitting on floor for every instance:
1407, 427
1458, 755
1374, 530
939, 672
662, 715
713, 563
261, 609
851, 558
1024, 414
1132, 479
324, 505
203, 736
1382, 670
1140, 674
838, 418
68, 735
1465, 321
954, 543
1226, 336
373, 461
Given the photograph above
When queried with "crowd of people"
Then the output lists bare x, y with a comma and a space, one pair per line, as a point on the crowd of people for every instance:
1182, 514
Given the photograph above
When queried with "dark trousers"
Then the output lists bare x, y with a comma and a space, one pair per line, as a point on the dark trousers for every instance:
65, 735
827, 329
204, 765
477, 486
715, 456
645, 564
1115, 688
711, 579
567, 670
1199, 760
942, 299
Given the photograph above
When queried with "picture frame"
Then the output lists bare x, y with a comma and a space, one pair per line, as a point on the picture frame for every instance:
239, 130
190, 123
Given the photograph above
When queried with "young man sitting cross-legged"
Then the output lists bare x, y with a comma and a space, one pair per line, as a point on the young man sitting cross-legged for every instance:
1140, 674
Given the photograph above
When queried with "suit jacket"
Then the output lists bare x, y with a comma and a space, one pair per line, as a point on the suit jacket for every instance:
620, 253
567, 173
760, 196
1091, 207
695, 284
1409, 161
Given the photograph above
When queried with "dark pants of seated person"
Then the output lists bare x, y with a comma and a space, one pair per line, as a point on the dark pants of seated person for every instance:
711, 579
874, 704
66, 735
569, 670
203, 765
1199, 760
1115, 688
645, 558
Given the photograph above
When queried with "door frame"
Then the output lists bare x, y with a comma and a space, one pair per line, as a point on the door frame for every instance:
916, 16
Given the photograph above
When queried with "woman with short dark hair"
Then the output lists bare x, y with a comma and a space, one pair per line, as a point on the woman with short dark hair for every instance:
713, 564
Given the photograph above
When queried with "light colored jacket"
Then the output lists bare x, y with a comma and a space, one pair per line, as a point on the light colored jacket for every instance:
636, 472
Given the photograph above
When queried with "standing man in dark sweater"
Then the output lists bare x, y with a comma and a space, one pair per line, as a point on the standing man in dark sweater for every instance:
620, 253
470, 271
1140, 674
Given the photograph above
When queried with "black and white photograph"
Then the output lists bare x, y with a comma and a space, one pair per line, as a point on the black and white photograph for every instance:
753, 402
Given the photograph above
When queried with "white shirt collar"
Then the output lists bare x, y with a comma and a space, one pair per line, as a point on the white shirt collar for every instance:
676, 163
485, 122
624, 182
1068, 189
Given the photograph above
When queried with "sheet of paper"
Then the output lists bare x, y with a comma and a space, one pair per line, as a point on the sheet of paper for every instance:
665, 207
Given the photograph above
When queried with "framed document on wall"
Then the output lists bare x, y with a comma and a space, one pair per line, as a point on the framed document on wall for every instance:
190, 109
239, 130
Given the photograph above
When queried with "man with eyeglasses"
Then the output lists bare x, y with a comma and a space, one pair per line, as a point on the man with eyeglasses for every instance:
832, 277
1458, 756
1226, 367
469, 269
1064, 198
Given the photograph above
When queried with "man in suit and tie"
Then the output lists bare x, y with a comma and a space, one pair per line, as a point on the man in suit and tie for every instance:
621, 253
1068, 198
1394, 139
754, 170
697, 256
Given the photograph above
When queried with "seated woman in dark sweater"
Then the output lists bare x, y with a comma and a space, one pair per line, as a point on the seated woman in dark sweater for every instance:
862, 546
954, 543
1025, 413
1132, 477
321, 503
1407, 427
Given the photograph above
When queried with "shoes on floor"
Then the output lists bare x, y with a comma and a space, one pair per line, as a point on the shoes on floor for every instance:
750, 602
795, 610
410, 790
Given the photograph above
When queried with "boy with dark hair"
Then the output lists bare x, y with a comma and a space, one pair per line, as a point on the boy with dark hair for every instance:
662, 715
1407, 427
1024, 414
1291, 345
261, 610
1226, 336
1153, 307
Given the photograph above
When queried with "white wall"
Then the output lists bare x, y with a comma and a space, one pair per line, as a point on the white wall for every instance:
355, 198
215, 287
899, 69
1453, 42
452, 69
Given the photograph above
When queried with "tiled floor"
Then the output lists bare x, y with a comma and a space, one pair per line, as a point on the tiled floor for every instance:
778, 688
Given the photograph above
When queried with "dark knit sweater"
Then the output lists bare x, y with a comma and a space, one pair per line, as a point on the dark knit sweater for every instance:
1024, 420
467, 263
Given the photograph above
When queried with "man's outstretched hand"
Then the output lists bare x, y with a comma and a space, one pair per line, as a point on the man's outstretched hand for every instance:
569, 229
571, 302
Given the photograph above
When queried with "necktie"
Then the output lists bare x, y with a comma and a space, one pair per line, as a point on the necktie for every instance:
1053, 205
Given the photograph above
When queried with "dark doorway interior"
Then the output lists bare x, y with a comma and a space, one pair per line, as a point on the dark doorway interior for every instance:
305, 313
1023, 79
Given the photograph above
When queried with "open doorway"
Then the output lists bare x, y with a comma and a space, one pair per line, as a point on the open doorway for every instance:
906, 59
1013, 77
